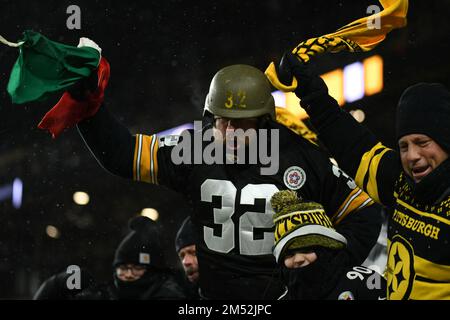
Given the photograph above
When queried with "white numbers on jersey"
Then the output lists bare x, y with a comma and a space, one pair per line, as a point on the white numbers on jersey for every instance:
247, 222
374, 279
227, 191
338, 172
358, 273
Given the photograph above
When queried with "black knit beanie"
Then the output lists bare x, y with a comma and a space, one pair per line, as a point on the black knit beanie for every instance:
424, 108
141, 246
186, 235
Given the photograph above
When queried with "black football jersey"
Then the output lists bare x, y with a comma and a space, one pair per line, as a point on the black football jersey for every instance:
232, 211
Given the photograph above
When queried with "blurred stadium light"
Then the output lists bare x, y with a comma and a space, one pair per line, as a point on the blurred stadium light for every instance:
13, 191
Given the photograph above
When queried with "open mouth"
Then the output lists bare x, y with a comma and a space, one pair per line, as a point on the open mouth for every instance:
192, 275
420, 172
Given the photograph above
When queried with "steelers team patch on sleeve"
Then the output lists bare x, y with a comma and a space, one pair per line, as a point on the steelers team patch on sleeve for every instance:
294, 177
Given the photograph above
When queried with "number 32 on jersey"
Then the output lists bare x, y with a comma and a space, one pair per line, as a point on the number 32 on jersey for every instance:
247, 222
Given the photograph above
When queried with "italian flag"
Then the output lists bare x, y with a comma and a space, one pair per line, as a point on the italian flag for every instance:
46, 67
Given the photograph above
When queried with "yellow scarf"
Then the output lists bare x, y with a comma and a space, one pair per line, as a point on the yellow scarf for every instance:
360, 35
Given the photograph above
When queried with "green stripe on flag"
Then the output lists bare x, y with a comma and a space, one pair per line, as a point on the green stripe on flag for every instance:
45, 67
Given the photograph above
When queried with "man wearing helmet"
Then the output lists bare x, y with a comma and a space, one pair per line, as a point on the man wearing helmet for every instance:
238, 104
232, 214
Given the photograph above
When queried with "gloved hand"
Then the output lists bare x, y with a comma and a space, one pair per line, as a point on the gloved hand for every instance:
308, 82
78, 103
82, 89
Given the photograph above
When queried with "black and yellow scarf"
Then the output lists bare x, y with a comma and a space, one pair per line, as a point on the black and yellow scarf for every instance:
361, 35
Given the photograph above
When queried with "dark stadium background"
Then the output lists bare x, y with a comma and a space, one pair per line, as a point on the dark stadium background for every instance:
163, 55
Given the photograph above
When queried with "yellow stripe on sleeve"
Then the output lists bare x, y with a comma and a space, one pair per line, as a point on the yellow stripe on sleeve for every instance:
357, 199
368, 168
145, 163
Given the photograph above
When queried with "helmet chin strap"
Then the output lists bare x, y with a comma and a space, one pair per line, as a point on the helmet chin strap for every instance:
208, 119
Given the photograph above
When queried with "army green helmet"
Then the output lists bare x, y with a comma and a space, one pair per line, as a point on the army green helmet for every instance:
240, 91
